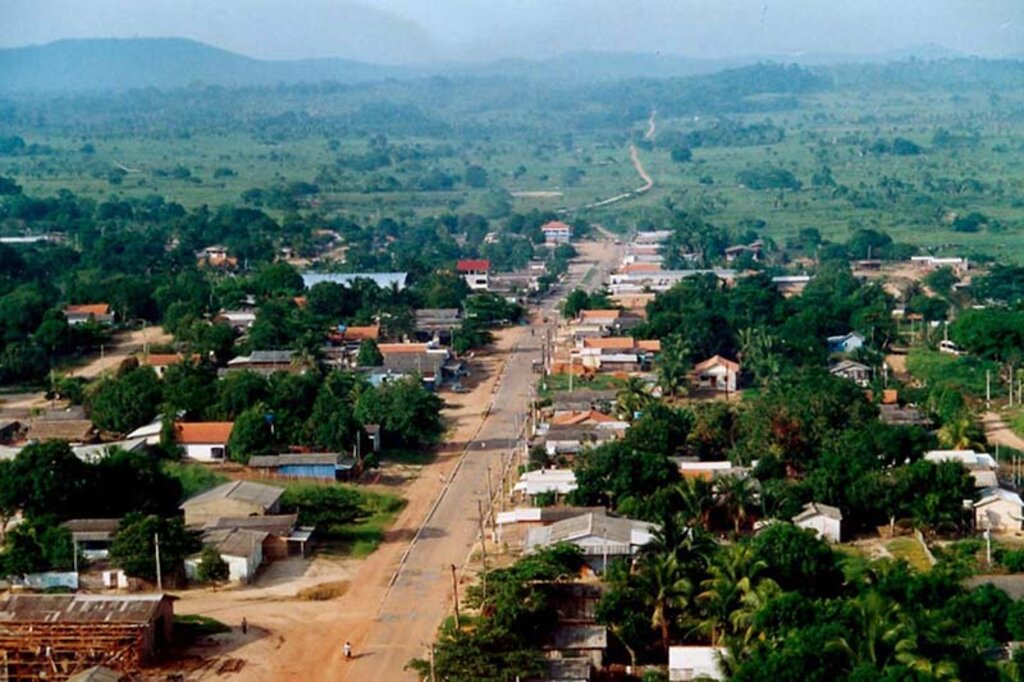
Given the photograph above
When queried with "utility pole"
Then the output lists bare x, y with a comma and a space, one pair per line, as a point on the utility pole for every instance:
156, 548
988, 389
490, 499
455, 591
433, 673
483, 547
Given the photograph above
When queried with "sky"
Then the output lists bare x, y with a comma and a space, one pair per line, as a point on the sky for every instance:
408, 31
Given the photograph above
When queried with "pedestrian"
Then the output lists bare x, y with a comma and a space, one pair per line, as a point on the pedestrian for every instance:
348, 650
245, 626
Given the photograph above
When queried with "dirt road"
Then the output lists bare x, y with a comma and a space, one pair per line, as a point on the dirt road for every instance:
999, 433
652, 127
387, 623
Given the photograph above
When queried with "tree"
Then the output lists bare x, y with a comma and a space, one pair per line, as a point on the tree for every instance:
798, 560
681, 154
127, 402
49, 480
673, 365
476, 177
735, 573
134, 548
323, 505
369, 354
668, 590
632, 399
212, 568
251, 435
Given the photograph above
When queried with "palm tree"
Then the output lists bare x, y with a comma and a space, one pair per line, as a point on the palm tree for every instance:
883, 630
673, 365
735, 494
632, 399
735, 574
758, 353
667, 589
960, 433
696, 498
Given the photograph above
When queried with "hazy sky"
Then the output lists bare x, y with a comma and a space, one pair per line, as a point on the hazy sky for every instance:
410, 30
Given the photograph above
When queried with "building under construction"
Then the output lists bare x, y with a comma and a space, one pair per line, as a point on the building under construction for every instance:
53, 637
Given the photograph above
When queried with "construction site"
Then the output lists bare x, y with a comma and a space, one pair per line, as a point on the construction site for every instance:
54, 637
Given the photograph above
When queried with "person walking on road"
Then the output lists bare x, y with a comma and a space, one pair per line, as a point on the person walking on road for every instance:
348, 650
245, 626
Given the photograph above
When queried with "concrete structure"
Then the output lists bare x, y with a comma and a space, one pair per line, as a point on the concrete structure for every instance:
160, 362
93, 537
284, 536
753, 250
556, 232
437, 323
708, 471
240, 548
475, 272
845, 343
204, 441
824, 520
216, 256
661, 280
982, 466
232, 499
599, 536
856, 372
88, 312
433, 363
74, 431
998, 510
686, 663
328, 466
791, 285
266, 362
239, 320
958, 265
51, 636
717, 373
383, 280
561, 482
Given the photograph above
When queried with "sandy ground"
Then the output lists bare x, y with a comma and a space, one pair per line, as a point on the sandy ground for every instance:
126, 344
998, 432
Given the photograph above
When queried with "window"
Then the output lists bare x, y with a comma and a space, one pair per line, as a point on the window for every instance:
217, 453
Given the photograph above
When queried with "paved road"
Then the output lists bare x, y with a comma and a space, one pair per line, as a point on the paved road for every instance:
420, 597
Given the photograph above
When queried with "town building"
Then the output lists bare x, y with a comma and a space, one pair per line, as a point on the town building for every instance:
980, 465
204, 441
686, 663
856, 372
717, 374
92, 538
845, 343
475, 272
998, 510
52, 636
559, 482
81, 313
824, 520
326, 466
600, 536
383, 280
556, 232
232, 499
266, 362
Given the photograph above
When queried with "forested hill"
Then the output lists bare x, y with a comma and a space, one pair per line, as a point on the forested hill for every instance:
114, 64
172, 63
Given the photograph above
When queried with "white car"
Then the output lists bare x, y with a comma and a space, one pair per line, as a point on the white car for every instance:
947, 346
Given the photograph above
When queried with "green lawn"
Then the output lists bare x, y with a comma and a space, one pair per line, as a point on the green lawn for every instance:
194, 478
910, 550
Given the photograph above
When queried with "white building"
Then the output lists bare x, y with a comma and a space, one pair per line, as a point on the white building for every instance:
475, 271
204, 441
824, 520
687, 663
241, 549
556, 232
981, 465
998, 510
558, 481
599, 536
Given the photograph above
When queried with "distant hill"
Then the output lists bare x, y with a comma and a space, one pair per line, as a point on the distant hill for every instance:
119, 64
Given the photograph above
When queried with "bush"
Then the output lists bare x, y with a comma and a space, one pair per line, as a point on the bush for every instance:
323, 505
212, 568
1011, 559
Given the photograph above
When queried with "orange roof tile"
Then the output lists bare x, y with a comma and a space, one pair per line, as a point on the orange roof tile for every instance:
364, 333
731, 365
640, 267
554, 225
473, 265
653, 345
89, 309
611, 343
576, 418
202, 433
600, 314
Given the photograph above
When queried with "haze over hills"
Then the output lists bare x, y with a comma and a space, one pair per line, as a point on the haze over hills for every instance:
119, 64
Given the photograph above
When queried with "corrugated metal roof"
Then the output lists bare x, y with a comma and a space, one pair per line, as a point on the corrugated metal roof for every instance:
80, 608
242, 491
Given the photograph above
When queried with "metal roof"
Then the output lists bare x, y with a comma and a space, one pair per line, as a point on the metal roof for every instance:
240, 542
242, 491
80, 608
384, 280
295, 459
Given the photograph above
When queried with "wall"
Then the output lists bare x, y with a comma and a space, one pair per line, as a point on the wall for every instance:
205, 453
